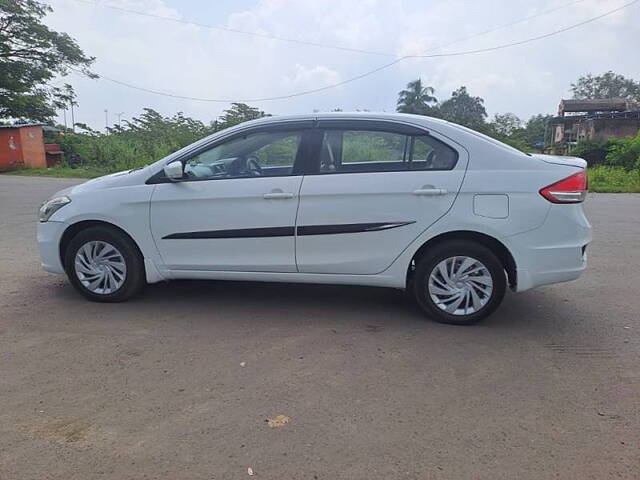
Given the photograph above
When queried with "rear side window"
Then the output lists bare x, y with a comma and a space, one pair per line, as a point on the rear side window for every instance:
360, 151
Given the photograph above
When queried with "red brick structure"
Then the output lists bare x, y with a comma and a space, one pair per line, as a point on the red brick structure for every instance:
21, 146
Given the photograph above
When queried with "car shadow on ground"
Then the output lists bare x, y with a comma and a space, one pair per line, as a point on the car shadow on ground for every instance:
536, 309
282, 304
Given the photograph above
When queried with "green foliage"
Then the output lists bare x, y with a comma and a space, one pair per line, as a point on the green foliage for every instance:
607, 179
506, 124
238, 113
464, 109
593, 151
607, 85
625, 152
372, 147
535, 130
416, 99
143, 139
140, 141
618, 152
30, 55
279, 153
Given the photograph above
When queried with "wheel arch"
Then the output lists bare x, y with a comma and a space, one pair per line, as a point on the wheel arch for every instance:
493, 244
75, 228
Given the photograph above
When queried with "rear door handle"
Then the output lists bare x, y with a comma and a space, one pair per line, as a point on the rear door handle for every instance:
430, 191
278, 196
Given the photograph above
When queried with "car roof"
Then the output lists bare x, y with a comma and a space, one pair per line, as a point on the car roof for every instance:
398, 117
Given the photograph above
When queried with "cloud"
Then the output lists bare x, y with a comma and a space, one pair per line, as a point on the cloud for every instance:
312, 77
200, 62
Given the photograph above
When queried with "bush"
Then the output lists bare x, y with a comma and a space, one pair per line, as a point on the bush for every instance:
625, 152
593, 151
613, 179
144, 139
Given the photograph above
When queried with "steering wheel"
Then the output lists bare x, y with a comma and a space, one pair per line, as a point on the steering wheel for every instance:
253, 167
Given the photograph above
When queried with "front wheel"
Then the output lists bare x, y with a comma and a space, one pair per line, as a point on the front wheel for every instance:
104, 265
459, 282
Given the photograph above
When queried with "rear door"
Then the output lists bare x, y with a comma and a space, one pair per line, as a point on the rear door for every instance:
375, 187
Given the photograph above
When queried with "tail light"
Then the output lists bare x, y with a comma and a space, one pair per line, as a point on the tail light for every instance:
572, 189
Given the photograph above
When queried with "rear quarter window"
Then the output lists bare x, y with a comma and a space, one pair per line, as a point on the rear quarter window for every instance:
429, 153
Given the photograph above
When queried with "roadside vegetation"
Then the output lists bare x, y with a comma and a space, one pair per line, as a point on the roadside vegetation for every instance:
605, 179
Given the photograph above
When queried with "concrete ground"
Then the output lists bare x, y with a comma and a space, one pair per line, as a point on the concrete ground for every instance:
549, 387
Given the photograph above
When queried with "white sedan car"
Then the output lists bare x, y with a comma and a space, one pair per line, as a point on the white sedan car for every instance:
387, 200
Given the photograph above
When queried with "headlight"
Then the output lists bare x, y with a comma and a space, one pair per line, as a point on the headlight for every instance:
50, 207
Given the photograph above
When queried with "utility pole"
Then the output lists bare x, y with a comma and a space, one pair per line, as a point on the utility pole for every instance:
73, 119
119, 115
64, 113
106, 119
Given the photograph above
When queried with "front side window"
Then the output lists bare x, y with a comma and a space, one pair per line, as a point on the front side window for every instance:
260, 154
351, 151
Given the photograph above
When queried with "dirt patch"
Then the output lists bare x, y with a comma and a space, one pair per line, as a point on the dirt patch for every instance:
77, 431
278, 421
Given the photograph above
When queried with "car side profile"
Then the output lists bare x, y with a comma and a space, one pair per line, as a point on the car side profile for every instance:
387, 200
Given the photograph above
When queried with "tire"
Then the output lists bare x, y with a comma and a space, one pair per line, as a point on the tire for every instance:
116, 277
439, 299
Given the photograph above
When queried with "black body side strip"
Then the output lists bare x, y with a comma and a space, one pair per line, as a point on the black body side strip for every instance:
239, 233
349, 228
289, 231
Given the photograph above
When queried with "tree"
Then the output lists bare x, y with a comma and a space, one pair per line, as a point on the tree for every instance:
416, 99
506, 124
607, 85
30, 55
238, 113
535, 130
464, 109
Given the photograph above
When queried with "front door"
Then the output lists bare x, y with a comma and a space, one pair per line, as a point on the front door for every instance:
375, 190
235, 209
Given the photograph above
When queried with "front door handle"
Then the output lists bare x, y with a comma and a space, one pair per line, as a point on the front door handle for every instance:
278, 196
428, 190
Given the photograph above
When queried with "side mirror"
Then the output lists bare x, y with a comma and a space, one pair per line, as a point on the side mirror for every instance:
174, 170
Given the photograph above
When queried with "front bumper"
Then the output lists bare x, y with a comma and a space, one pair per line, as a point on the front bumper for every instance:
49, 235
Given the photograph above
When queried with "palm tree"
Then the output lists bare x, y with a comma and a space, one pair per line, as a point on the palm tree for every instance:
416, 99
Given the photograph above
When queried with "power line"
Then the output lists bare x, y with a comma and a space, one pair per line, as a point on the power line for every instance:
378, 69
307, 42
235, 30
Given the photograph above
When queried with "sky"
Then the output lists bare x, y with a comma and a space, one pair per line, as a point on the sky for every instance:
195, 61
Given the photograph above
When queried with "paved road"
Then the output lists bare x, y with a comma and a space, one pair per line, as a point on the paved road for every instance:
549, 387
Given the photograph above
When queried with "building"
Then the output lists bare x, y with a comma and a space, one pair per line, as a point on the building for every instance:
597, 119
22, 146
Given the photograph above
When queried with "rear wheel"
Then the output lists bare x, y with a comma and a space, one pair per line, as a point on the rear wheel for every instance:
459, 282
104, 265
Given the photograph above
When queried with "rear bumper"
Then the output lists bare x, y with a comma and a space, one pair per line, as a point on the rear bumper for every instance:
555, 252
49, 234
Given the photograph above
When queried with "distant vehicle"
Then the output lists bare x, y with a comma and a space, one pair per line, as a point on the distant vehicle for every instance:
388, 200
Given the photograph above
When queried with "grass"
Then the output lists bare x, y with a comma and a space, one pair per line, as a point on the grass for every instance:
60, 172
613, 180
601, 179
